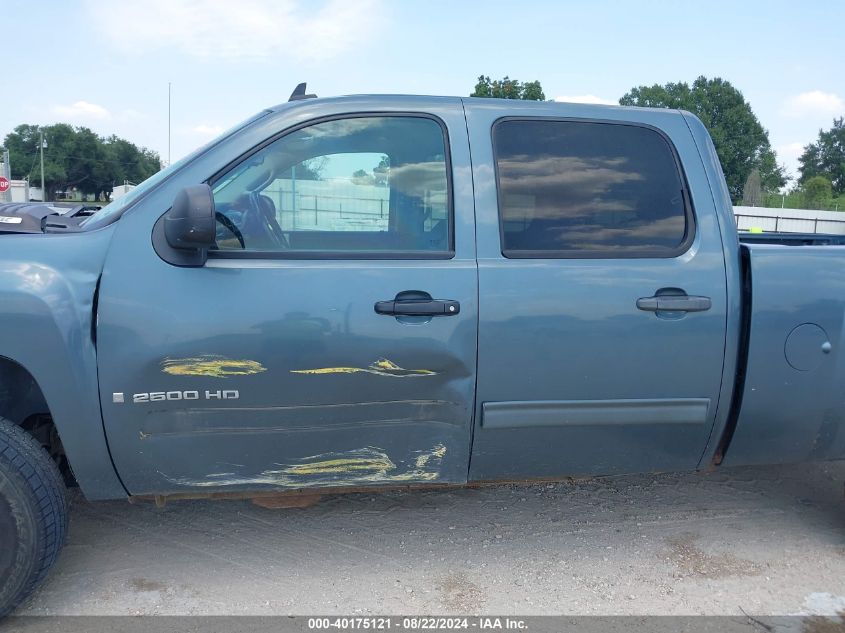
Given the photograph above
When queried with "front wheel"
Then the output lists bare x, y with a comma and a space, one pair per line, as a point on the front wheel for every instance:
33, 515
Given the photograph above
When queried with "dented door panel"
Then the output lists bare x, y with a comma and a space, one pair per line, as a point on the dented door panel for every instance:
278, 373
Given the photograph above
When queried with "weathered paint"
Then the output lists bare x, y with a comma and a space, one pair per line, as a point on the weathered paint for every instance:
366, 459
427, 465
368, 465
382, 367
211, 366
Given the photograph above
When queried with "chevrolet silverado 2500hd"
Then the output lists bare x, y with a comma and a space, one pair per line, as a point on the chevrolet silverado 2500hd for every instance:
406, 291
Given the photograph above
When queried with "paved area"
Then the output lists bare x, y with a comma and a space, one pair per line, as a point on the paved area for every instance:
763, 540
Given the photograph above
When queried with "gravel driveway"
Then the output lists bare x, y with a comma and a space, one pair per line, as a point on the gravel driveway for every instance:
766, 540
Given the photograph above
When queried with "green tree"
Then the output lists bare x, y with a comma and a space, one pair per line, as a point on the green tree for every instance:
130, 162
817, 192
361, 177
772, 176
378, 176
826, 157
508, 88
381, 172
741, 141
77, 157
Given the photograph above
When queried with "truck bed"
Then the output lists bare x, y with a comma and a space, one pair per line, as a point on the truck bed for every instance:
791, 393
792, 239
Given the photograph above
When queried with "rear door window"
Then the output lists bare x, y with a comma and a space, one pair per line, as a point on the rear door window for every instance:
589, 189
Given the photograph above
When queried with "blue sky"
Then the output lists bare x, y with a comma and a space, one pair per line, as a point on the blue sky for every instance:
106, 63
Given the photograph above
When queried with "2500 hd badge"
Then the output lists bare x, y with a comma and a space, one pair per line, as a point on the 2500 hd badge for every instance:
161, 396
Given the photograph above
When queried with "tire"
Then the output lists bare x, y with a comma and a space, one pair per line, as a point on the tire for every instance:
33, 515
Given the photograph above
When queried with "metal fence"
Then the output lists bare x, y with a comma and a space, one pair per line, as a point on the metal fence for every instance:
789, 220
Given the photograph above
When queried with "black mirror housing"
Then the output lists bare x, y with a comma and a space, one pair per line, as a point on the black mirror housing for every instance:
189, 226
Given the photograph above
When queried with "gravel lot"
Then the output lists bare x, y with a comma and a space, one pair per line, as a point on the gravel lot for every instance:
764, 540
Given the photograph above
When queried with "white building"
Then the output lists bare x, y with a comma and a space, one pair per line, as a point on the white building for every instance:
789, 220
121, 190
21, 191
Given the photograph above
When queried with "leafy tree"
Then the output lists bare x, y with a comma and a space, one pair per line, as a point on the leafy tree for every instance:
361, 177
533, 91
508, 88
77, 157
741, 141
772, 176
826, 157
377, 177
817, 192
310, 169
381, 171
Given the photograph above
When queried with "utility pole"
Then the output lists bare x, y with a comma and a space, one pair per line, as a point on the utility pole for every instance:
168, 124
6, 171
41, 143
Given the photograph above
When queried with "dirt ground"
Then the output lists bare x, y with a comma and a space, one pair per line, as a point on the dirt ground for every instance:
763, 540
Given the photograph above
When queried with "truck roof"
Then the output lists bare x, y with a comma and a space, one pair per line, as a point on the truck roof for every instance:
406, 100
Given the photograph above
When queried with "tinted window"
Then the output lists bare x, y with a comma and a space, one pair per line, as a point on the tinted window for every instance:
576, 189
357, 185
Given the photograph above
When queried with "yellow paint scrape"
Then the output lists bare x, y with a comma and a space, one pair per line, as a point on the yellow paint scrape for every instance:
368, 459
382, 367
438, 452
344, 468
211, 366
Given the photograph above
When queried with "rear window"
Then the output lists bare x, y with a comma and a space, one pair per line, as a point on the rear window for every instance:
585, 189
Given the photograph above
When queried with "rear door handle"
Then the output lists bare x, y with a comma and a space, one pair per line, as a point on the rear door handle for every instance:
418, 307
674, 303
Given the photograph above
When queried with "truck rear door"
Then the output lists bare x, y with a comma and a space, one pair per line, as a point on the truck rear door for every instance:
602, 292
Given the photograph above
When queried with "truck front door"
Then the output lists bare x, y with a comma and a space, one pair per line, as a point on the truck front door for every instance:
602, 294
270, 366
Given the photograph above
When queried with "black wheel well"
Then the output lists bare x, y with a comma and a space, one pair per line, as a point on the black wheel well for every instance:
22, 402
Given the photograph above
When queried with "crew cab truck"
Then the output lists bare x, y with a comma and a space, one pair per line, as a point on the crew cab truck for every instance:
376, 291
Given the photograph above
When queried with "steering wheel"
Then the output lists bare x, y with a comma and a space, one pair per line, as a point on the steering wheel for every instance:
277, 232
225, 221
256, 217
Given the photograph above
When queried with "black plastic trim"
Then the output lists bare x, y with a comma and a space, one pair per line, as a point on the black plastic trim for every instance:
742, 358
321, 255
356, 255
689, 211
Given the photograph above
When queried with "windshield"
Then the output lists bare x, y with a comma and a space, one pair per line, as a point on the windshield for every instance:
105, 215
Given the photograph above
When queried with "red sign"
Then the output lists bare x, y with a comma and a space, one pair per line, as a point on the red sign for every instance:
4, 184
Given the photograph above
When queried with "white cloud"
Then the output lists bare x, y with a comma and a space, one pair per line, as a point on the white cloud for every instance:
814, 102
788, 154
790, 151
82, 110
222, 29
586, 99
208, 130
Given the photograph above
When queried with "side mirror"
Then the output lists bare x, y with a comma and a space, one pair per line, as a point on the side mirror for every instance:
189, 225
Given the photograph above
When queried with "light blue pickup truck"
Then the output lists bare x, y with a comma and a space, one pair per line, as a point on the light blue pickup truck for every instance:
377, 291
